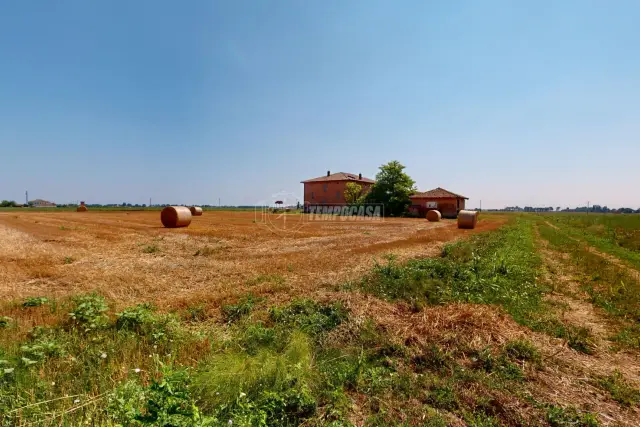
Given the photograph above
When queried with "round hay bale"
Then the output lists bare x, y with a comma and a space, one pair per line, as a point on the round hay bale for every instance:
467, 219
175, 216
434, 216
82, 208
196, 210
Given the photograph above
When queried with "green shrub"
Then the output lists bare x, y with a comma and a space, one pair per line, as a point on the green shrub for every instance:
125, 403
41, 348
142, 320
256, 337
5, 321
309, 316
89, 312
133, 318
169, 400
234, 312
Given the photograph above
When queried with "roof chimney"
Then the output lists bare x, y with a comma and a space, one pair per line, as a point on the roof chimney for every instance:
359, 176
328, 173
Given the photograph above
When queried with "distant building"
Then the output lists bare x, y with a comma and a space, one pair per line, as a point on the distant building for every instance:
39, 203
448, 203
329, 189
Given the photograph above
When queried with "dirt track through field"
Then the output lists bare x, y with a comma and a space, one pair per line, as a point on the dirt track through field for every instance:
576, 369
129, 257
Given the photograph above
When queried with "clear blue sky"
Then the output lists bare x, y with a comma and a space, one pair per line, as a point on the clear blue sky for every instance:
511, 102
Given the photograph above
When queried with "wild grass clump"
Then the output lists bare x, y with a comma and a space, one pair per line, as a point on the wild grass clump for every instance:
151, 249
68, 373
522, 350
309, 316
144, 322
270, 386
621, 391
558, 416
628, 336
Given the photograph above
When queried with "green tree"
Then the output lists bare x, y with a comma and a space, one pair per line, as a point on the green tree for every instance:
8, 204
392, 188
353, 193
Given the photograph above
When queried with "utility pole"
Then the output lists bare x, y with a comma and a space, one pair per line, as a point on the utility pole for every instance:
588, 207
219, 205
480, 205
149, 201
26, 196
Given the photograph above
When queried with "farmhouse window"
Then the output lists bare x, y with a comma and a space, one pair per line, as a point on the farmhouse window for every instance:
338, 195
325, 188
312, 196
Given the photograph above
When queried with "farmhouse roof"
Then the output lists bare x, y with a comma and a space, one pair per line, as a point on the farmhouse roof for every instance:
438, 193
340, 176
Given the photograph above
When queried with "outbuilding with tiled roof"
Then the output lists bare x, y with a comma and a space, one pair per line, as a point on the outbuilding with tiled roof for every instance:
447, 202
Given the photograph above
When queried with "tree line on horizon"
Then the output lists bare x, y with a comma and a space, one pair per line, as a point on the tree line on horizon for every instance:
392, 188
594, 209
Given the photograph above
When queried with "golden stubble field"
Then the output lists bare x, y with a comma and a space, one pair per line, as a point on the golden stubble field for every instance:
129, 257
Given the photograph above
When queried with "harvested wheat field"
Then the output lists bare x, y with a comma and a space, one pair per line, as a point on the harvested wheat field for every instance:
108, 318
130, 257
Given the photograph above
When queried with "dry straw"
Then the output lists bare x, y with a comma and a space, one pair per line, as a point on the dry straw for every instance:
196, 210
434, 216
81, 208
175, 216
467, 219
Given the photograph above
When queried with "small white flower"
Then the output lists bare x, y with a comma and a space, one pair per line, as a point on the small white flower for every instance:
217, 393
230, 422
53, 383
103, 355
76, 401
155, 346
137, 370
242, 394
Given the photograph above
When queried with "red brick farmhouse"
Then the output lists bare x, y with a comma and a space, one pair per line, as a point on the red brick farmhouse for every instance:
329, 190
